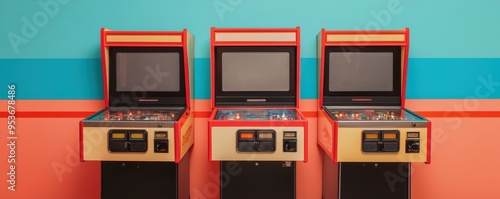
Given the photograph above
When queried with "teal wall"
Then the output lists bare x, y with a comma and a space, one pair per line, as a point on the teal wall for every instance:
50, 48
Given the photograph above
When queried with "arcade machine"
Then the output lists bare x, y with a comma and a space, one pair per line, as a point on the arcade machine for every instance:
256, 130
143, 135
368, 136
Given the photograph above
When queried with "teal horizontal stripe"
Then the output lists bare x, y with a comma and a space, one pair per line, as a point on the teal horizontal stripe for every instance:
308, 78
439, 78
55, 29
202, 77
52, 79
81, 79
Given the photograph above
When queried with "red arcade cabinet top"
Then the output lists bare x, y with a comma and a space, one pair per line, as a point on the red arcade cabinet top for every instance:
147, 68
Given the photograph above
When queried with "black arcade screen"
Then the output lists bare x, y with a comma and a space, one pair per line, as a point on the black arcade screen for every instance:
360, 71
255, 71
147, 71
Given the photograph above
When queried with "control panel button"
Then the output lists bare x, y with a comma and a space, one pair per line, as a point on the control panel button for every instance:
412, 146
256, 140
161, 142
127, 140
161, 146
413, 142
138, 147
246, 147
265, 146
117, 147
290, 141
370, 146
290, 146
380, 141
390, 147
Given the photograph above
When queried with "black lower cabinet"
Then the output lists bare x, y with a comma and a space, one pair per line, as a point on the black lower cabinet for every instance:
261, 179
145, 180
370, 180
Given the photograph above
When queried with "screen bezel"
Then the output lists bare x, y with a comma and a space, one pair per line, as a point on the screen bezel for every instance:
255, 97
149, 98
366, 97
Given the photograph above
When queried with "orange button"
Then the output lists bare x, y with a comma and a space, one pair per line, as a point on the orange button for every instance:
371, 136
390, 135
247, 135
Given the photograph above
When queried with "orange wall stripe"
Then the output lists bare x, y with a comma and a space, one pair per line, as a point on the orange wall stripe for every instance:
310, 113
55, 105
456, 105
46, 114
206, 114
202, 114
459, 113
